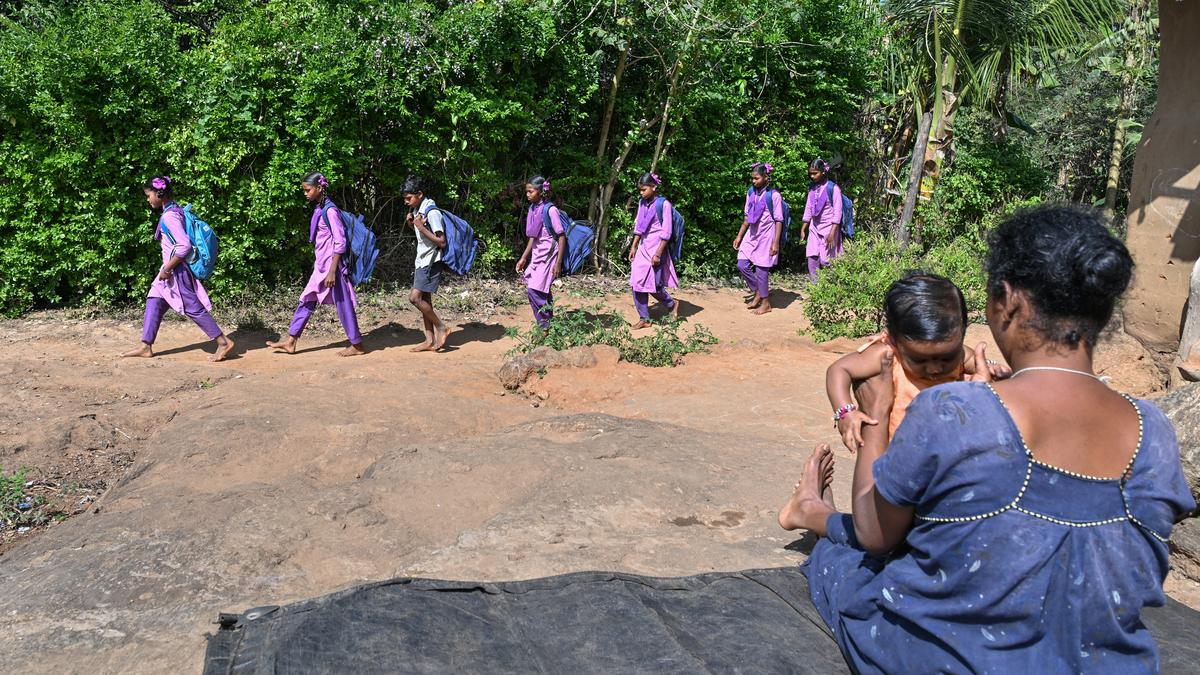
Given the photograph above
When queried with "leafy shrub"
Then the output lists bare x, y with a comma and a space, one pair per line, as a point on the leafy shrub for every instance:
17, 508
847, 300
665, 346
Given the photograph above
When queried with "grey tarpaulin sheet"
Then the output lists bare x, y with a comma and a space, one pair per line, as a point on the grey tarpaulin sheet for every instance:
757, 621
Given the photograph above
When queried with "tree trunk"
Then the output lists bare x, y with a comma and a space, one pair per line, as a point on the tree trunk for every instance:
606, 192
900, 231
945, 106
673, 88
1134, 60
605, 127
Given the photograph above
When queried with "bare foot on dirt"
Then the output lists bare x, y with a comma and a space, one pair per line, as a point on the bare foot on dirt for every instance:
426, 346
287, 344
143, 352
675, 310
757, 301
813, 496
353, 350
750, 298
641, 324
441, 333
223, 350
764, 307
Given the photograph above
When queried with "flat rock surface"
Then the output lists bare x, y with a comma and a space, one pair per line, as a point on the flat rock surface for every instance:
271, 478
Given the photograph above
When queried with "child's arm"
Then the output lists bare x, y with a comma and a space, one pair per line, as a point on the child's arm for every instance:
637, 241
839, 378
422, 223
737, 241
658, 253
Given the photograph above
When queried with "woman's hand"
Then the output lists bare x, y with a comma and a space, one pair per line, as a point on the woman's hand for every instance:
850, 428
330, 278
983, 368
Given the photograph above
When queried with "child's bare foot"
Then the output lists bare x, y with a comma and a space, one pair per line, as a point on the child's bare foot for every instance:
287, 344
353, 350
813, 497
675, 310
750, 298
757, 301
223, 349
143, 352
426, 346
641, 324
440, 334
764, 307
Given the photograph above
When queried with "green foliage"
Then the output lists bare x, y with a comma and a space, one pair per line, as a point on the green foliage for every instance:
667, 343
987, 175
847, 300
238, 99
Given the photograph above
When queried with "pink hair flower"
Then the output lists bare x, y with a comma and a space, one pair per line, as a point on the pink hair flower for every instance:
160, 183
546, 185
657, 180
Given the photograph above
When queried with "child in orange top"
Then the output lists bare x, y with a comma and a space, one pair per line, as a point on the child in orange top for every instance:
926, 325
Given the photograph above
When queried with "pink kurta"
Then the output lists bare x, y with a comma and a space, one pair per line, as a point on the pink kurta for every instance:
642, 275
825, 224
168, 290
760, 236
539, 273
330, 238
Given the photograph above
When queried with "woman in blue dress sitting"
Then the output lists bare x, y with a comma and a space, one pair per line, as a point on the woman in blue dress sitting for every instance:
1012, 527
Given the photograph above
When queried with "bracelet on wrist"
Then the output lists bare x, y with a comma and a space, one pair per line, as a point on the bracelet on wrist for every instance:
841, 412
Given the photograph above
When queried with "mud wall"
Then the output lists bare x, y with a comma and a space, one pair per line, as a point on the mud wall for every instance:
1164, 200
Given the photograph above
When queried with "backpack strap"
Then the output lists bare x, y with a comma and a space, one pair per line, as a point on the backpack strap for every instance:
829, 189
770, 206
162, 225
658, 208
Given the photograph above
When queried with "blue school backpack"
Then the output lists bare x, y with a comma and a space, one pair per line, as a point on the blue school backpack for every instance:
580, 239
787, 214
847, 225
675, 243
205, 248
461, 242
361, 250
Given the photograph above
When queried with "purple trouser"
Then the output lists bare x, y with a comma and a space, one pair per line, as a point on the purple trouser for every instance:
756, 277
156, 309
345, 312
641, 301
814, 266
540, 302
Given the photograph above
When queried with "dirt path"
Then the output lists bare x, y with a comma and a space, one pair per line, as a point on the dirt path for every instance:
272, 478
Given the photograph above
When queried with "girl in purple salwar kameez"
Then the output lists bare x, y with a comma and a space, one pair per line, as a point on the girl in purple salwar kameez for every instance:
759, 239
541, 263
652, 271
822, 219
329, 283
175, 287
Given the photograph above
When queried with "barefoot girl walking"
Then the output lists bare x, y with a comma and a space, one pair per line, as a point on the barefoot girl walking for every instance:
542, 260
652, 270
759, 239
329, 283
174, 287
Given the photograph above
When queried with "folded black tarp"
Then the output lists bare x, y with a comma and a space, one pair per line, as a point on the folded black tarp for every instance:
758, 621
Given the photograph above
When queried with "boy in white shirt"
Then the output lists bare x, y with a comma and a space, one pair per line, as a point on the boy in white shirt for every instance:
426, 220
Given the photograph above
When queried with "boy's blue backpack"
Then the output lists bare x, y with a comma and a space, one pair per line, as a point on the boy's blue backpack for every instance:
675, 243
361, 250
786, 211
847, 225
580, 239
205, 248
461, 243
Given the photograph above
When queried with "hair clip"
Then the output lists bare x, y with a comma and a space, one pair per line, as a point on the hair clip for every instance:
656, 179
160, 183
321, 181
546, 185
768, 167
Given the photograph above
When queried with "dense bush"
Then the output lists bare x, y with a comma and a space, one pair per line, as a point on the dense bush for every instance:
847, 300
237, 99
